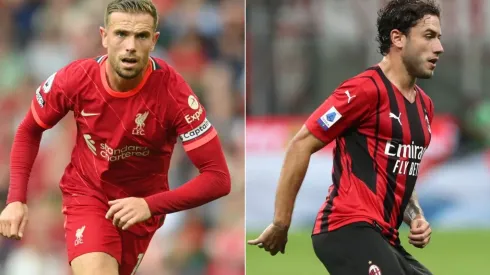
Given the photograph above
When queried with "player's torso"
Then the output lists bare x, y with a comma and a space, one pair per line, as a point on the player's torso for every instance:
122, 137
381, 155
397, 131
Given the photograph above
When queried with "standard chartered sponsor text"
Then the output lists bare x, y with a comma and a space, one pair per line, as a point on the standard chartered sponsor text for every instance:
127, 151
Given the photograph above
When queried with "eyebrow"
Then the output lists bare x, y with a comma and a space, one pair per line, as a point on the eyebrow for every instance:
147, 33
433, 32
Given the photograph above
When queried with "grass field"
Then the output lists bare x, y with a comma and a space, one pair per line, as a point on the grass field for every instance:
449, 253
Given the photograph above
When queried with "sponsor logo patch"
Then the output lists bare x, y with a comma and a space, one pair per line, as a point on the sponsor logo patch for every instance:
193, 103
39, 97
49, 83
329, 118
194, 117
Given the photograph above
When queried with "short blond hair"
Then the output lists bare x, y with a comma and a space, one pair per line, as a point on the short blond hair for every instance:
131, 6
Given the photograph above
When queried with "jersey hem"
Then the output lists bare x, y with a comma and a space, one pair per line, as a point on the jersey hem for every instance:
339, 225
315, 134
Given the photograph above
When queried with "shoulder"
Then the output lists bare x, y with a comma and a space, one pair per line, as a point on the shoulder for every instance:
427, 100
423, 94
81, 67
362, 85
70, 75
63, 79
166, 71
172, 80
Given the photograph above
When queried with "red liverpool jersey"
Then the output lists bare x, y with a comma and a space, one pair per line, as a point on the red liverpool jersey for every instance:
380, 140
124, 139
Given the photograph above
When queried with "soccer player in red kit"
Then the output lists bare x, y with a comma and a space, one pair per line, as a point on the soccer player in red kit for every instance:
380, 120
129, 108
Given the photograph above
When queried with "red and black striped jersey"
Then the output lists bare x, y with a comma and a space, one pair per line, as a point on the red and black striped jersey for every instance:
381, 138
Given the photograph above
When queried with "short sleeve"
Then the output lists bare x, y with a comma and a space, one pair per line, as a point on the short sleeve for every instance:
345, 108
189, 118
51, 101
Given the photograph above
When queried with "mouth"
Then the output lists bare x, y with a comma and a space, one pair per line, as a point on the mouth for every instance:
129, 60
433, 60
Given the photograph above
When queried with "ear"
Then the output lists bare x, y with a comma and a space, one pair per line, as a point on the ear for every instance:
398, 39
103, 36
155, 39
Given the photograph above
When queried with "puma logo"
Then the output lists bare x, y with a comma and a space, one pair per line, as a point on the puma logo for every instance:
349, 96
396, 117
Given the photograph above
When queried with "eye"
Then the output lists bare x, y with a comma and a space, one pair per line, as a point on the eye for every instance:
120, 34
142, 36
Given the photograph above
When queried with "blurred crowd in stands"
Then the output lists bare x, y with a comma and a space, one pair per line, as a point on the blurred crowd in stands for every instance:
298, 51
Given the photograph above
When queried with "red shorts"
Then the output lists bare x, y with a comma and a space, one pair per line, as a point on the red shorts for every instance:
87, 230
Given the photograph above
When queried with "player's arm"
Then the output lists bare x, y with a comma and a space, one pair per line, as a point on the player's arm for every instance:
339, 112
347, 107
49, 105
420, 230
24, 152
413, 210
293, 171
202, 145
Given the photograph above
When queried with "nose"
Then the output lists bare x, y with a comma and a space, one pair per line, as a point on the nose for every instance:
438, 49
130, 44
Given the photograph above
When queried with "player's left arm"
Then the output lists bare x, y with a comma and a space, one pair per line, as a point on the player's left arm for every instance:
413, 210
420, 230
202, 145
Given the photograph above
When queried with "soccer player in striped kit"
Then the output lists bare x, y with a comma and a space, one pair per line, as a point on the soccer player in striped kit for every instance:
380, 120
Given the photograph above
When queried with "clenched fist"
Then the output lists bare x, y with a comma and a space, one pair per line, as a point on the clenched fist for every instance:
420, 232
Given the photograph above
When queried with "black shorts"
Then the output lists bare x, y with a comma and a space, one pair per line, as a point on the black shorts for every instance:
360, 249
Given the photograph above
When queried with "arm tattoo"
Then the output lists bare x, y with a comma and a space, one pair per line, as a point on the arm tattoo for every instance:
413, 209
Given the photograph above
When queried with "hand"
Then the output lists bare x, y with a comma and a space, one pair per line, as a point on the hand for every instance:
273, 239
420, 232
128, 211
13, 220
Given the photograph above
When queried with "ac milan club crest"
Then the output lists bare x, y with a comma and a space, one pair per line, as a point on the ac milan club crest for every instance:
374, 270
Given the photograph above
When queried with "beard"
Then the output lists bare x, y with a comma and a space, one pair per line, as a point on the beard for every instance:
415, 66
125, 73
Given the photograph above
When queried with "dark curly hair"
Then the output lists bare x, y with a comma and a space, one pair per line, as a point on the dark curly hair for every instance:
402, 15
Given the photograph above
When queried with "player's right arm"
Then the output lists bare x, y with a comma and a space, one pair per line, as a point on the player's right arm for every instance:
339, 112
49, 105
345, 108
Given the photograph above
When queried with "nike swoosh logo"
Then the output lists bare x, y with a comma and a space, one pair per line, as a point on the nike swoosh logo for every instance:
89, 114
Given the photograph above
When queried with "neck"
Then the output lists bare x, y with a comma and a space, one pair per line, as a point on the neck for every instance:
397, 73
120, 84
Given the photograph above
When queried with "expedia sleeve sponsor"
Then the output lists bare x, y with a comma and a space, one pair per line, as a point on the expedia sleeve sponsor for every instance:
196, 132
39, 98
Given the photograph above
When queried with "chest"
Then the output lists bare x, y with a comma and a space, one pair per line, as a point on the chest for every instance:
401, 122
138, 120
